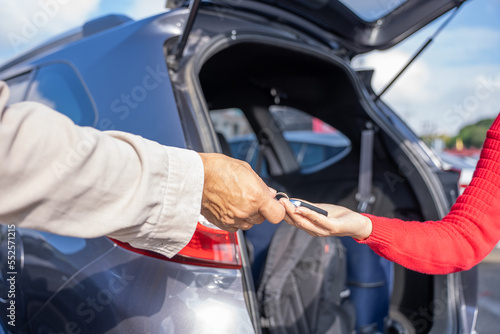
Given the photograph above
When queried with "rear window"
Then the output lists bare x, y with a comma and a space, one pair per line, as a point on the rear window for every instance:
372, 10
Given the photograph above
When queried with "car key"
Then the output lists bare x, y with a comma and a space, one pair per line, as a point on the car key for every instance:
298, 202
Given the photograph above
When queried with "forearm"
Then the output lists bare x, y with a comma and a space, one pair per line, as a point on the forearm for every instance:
81, 182
463, 238
434, 247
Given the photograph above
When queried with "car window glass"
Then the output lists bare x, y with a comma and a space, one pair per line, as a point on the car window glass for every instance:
18, 86
309, 155
314, 143
232, 125
58, 87
372, 10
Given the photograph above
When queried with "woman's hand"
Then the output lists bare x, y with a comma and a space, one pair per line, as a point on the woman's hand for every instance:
340, 221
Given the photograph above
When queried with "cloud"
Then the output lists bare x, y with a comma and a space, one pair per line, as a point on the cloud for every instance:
434, 97
451, 99
140, 9
444, 89
387, 65
26, 22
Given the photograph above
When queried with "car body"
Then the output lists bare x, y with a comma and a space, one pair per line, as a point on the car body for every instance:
163, 78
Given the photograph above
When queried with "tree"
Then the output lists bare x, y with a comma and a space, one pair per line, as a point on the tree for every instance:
472, 135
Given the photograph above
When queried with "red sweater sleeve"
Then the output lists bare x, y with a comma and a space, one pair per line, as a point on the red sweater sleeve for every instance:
463, 238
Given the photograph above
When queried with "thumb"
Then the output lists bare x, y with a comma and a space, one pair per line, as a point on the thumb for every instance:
272, 210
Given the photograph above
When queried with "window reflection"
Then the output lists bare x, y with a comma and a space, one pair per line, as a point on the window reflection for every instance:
58, 87
18, 86
314, 143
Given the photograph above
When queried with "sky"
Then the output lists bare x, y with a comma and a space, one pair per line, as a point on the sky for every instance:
455, 82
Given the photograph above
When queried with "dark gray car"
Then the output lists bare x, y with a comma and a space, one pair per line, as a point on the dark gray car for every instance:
166, 78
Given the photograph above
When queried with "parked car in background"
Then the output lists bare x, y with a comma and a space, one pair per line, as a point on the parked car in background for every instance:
166, 78
313, 151
466, 165
315, 144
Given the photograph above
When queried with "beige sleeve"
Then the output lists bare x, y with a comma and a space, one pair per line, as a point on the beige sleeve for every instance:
78, 181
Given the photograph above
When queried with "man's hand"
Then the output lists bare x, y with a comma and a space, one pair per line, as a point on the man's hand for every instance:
234, 196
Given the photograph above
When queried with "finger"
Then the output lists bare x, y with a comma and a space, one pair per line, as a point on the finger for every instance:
272, 191
314, 217
288, 219
300, 221
272, 210
292, 217
289, 207
306, 225
255, 219
228, 228
245, 226
222, 225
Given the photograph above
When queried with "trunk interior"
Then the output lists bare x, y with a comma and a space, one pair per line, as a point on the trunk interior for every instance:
249, 80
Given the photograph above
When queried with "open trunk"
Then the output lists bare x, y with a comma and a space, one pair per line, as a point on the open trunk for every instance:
265, 87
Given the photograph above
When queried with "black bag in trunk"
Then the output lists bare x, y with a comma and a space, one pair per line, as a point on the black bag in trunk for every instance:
303, 287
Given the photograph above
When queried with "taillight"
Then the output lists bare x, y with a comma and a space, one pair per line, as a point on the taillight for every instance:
209, 246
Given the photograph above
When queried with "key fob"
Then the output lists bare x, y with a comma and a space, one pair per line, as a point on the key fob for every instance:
298, 202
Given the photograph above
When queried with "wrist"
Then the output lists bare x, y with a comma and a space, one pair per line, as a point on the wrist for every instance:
205, 160
365, 230
209, 166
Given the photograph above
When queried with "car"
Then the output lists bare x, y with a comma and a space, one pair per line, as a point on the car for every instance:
465, 164
313, 151
168, 78
315, 144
